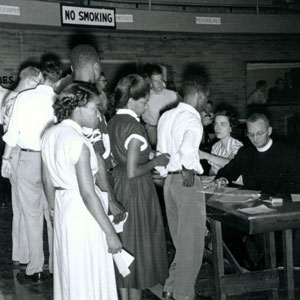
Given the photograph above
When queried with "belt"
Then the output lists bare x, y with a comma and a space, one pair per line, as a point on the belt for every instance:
180, 172
29, 150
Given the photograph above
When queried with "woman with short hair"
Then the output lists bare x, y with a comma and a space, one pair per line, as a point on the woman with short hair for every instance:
143, 234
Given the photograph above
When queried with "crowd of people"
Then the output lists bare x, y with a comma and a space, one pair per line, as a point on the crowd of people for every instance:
70, 166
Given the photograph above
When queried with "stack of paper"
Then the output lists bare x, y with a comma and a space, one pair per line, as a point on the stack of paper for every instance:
260, 209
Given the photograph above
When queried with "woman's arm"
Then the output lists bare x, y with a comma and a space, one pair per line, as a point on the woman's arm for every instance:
217, 160
92, 202
48, 187
134, 169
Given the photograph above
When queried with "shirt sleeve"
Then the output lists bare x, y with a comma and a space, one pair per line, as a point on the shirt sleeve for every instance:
233, 169
74, 150
12, 135
138, 137
189, 148
235, 147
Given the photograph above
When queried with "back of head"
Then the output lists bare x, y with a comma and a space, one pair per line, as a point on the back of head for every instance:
82, 55
51, 70
260, 84
259, 116
30, 72
133, 87
73, 96
195, 83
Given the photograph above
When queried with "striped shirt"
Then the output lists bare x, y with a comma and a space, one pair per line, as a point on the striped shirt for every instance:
232, 147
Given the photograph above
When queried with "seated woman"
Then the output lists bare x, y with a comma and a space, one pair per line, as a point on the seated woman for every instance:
84, 238
227, 147
143, 234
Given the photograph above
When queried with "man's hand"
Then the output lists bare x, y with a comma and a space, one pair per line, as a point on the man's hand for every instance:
188, 177
6, 168
117, 210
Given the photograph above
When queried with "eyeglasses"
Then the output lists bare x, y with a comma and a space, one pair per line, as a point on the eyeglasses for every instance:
103, 80
257, 134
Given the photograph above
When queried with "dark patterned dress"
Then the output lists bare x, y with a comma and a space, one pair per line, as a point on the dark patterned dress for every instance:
143, 234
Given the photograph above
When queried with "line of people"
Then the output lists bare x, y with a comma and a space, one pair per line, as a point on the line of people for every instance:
60, 148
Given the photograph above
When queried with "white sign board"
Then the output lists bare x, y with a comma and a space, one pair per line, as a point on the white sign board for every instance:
88, 16
9, 10
208, 20
124, 18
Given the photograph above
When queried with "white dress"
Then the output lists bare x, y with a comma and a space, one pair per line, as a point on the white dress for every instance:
83, 268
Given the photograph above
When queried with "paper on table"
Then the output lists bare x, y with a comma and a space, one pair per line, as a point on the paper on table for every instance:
123, 260
261, 209
229, 194
118, 227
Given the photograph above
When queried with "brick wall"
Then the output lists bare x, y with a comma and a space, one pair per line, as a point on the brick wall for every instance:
223, 55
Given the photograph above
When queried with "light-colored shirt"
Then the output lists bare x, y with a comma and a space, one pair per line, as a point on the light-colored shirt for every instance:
31, 115
257, 97
3, 94
179, 133
7, 107
232, 148
156, 103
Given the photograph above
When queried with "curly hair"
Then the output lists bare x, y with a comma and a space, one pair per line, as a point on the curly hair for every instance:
51, 70
73, 96
232, 118
132, 86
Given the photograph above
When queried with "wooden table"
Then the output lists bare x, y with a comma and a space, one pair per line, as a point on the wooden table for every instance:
284, 218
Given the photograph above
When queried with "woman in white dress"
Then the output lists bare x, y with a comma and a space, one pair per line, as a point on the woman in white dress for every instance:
227, 146
84, 238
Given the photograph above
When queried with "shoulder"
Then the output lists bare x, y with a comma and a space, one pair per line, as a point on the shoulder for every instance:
170, 93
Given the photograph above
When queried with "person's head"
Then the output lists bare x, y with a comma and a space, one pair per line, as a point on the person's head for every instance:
259, 129
225, 123
156, 78
195, 90
51, 71
85, 63
209, 107
101, 83
30, 77
78, 102
132, 92
279, 84
261, 85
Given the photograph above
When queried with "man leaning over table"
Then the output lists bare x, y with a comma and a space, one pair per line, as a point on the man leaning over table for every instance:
179, 134
265, 165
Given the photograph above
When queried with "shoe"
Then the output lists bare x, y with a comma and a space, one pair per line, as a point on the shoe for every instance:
168, 295
23, 278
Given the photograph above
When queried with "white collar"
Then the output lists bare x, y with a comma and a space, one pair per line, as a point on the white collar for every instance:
185, 106
73, 124
126, 111
266, 147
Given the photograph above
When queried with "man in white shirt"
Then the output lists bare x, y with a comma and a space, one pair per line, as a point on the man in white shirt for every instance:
179, 134
28, 79
4, 186
32, 114
160, 98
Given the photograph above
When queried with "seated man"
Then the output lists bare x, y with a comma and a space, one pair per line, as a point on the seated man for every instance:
265, 165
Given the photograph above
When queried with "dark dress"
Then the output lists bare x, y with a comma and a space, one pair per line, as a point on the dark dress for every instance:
143, 234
